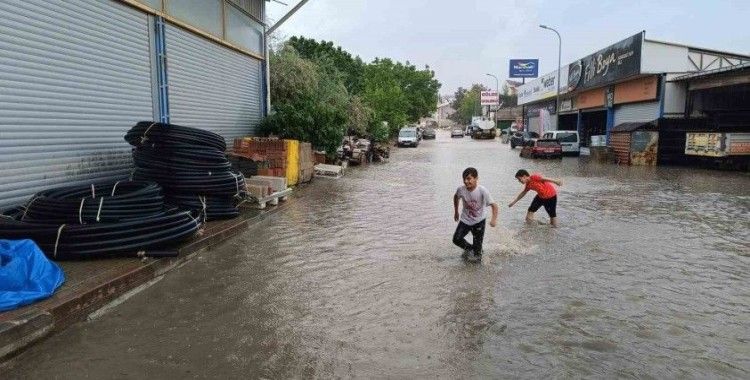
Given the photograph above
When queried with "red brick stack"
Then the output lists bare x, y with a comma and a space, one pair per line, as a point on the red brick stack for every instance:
267, 149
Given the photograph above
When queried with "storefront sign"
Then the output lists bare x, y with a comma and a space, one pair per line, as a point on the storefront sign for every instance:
590, 99
637, 90
608, 65
524, 68
541, 88
489, 98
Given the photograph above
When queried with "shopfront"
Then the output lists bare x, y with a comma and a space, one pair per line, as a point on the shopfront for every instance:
568, 118
593, 114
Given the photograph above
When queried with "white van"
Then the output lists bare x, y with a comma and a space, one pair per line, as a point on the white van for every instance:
408, 136
569, 140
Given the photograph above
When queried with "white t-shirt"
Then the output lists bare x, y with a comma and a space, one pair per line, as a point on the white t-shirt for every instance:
475, 204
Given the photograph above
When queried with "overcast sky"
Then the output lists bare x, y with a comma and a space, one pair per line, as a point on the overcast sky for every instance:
463, 39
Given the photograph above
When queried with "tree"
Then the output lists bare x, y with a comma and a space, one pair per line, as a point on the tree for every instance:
382, 91
310, 102
467, 103
352, 68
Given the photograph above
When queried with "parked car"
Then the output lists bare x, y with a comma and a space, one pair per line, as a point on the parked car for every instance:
408, 137
457, 132
522, 138
568, 139
429, 134
547, 148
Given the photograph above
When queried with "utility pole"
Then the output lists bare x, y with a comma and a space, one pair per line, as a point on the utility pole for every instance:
559, 55
497, 90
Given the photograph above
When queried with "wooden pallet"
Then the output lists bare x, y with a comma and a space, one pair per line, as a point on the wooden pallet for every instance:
272, 199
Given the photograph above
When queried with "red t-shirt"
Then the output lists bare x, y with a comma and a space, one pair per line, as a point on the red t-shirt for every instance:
544, 189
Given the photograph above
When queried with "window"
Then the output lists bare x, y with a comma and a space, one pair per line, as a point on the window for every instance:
567, 137
243, 31
154, 4
203, 14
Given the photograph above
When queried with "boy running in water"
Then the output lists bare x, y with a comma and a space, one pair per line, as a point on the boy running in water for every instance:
475, 199
546, 195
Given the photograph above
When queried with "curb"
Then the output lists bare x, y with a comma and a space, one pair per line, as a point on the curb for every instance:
20, 331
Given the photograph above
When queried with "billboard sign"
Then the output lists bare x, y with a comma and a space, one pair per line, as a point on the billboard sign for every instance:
611, 64
489, 98
524, 68
541, 88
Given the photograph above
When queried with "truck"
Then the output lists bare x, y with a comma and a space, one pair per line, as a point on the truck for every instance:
482, 128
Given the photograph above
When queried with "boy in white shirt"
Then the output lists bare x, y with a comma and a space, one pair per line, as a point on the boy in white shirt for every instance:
475, 199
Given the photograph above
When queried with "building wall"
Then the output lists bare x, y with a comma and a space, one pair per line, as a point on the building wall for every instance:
78, 74
658, 58
675, 94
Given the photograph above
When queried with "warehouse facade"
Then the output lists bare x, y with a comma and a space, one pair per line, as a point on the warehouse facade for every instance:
77, 74
637, 80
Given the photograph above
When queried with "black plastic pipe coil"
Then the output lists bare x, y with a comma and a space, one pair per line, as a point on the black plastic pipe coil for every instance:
136, 237
147, 133
216, 207
95, 203
190, 164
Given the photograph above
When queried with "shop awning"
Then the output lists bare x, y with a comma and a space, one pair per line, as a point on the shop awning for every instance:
635, 126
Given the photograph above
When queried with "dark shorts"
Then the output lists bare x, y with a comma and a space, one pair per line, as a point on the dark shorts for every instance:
550, 205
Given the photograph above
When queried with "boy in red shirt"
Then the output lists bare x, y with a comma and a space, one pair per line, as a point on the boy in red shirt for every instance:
546, 194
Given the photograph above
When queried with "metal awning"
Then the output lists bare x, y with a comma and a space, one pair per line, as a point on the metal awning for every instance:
704, 74
634, 126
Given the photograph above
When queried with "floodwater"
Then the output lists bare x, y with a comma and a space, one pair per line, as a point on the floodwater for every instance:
646, 278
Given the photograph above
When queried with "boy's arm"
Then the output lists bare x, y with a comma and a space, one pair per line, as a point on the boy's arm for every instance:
518, 198
557, 182
495, 211
455, 207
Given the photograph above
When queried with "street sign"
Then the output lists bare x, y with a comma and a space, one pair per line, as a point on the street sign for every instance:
524, 68
489, 98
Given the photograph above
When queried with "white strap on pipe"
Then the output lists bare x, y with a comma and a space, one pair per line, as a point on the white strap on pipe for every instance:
28, 206
57, 241
115, 188
202, 198
144, 138
101, 202
80, 211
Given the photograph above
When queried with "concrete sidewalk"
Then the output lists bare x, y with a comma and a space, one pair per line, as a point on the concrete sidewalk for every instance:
90, 285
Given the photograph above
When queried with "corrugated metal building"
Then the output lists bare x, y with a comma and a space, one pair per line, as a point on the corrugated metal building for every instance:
640, 80
77, 74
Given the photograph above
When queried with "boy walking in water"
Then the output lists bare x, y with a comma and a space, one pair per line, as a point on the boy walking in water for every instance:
475, 199
546, 195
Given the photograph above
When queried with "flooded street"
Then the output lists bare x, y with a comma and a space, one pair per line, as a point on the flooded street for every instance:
646, 278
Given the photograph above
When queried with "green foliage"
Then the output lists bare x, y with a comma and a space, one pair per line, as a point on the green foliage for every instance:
350, 67
399, 93
310, 103
319, 92
466, 103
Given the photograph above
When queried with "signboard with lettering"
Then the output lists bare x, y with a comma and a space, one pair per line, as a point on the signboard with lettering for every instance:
489, 98
524, 68
608, 65
544, 87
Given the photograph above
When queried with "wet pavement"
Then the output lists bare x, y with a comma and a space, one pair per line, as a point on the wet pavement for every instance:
646, 278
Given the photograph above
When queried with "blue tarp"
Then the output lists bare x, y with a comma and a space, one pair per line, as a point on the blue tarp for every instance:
26, 275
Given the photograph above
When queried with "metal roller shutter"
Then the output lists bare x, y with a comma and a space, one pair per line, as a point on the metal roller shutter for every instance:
75, 77
534, 124
212, 87
627, 113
